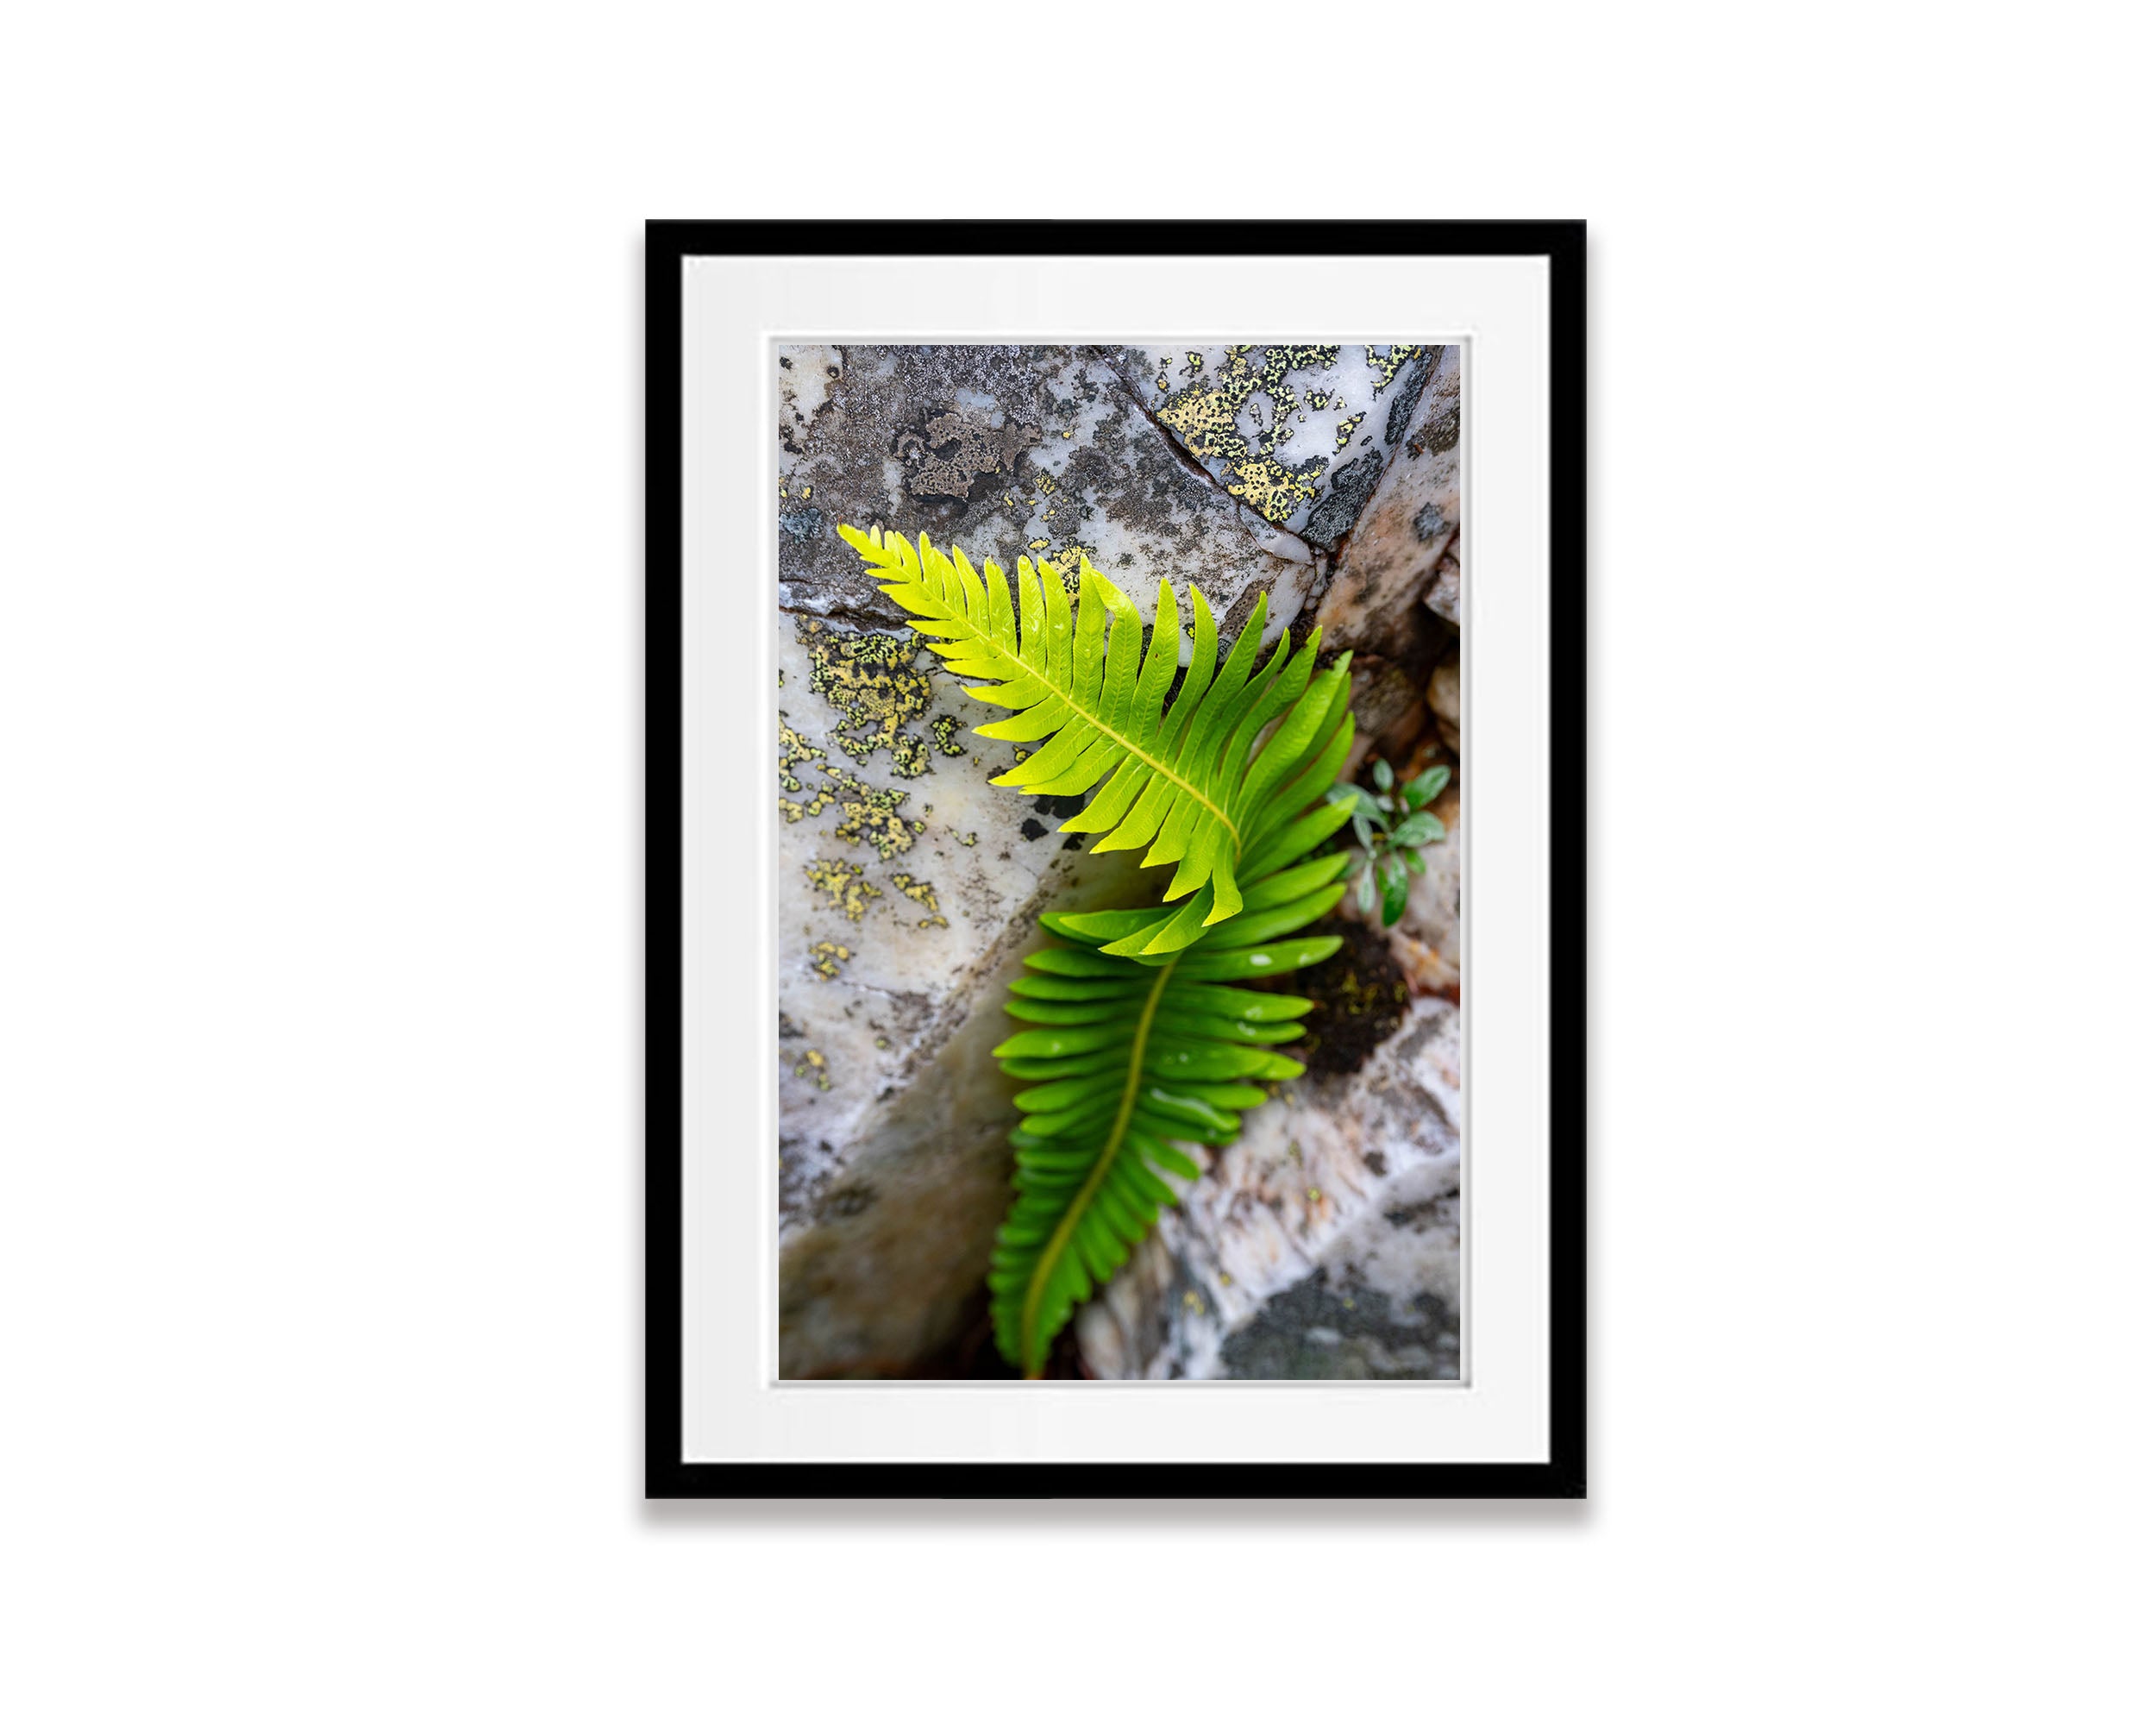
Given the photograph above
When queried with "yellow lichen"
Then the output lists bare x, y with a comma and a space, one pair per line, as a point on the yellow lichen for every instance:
1070, 563
871, 681
793, 749
923, 895
825, 957
1388, 368
1205, 417
867, 816
849, 892
812, 1064
1275, 491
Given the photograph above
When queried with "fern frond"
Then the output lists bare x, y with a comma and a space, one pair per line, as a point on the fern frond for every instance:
1122, 1059
1225, 781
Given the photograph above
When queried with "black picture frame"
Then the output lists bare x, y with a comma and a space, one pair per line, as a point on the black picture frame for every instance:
667, 1474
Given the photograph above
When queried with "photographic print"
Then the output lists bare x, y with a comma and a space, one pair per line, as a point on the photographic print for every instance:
1116, 879
1119, 863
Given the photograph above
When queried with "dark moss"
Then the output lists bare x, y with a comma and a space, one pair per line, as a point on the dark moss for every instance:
1359, 998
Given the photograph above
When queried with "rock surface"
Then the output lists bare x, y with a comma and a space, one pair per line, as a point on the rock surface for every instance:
907, 885
1009, 452
906, 891
1300, 434
1324, 1242
1443, 693
1410, 522
1445, 598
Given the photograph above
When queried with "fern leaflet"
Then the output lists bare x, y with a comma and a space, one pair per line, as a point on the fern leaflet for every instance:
1225, 781
1124, 1058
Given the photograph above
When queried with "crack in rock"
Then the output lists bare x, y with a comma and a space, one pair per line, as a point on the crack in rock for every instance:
1303, 551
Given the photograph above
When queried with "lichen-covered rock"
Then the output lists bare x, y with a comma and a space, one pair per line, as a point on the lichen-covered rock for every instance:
1007, 452
1301, 434
1390, 562
1324, 1242
906, 889
888, 1233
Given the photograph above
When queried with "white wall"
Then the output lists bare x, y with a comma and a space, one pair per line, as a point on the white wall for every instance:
318, 540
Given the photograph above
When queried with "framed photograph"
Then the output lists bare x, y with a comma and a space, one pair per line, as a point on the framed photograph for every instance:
1117, 861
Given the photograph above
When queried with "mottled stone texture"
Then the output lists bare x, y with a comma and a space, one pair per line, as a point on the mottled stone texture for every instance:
1300, 434
1324, 1242
1410, 521
1008, 452
907, 886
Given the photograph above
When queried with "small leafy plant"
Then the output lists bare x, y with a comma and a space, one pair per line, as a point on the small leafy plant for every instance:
1138, 1037
1391, 827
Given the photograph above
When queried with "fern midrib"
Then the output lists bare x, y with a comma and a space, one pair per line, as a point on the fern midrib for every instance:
1052, 1254
1095, 717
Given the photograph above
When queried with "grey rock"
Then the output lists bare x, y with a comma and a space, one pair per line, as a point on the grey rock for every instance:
1390, 562
906, 889
1384, 699
1300, 434
1007, 452
1445, 595
1384, 1302
879, 1259
1325, 1242
1442, 693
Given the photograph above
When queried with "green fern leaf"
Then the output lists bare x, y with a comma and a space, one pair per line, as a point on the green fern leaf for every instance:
1124, 1059
1226, 781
